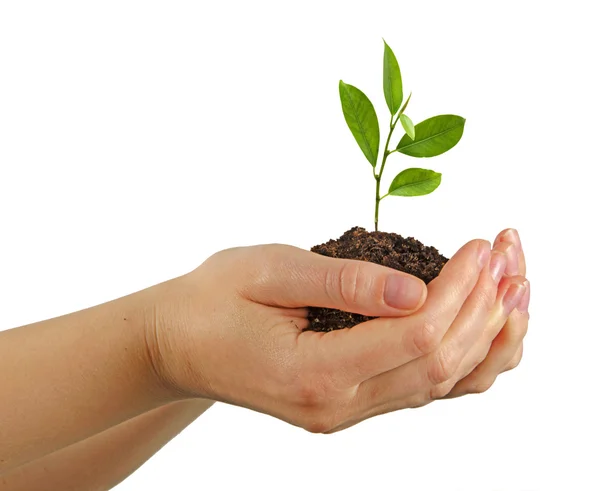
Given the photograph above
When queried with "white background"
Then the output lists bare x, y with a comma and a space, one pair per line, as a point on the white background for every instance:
137, 138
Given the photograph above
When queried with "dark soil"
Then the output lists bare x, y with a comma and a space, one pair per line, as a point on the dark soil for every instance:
391, 250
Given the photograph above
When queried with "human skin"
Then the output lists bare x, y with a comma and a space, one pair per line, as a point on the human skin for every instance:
506, 350
243, 309
104, 460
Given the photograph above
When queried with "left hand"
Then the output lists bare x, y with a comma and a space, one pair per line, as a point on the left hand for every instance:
506, 350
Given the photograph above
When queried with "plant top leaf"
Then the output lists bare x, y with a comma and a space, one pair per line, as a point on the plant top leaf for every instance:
408, 126
361, 118
392, 80
433, 136
415, 182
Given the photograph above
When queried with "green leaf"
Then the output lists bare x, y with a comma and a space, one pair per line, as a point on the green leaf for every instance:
392, 80
361, 119
408, 126
415, 182
433, 136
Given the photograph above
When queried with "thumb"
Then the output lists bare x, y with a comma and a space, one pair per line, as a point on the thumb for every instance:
293, 277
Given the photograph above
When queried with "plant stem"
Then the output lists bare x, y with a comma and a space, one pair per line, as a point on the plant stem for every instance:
377, 200
386, 153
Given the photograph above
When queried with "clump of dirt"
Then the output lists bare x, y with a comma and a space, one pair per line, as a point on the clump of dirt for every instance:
388, 249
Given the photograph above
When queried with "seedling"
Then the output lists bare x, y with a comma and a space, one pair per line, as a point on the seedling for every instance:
429, 138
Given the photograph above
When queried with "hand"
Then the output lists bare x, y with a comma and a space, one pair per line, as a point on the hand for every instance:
506, 350
232, 330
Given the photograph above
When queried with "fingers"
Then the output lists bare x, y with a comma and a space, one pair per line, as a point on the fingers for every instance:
442, 365
512, 258
447, 293
510, 292
510, 235
515, 360
509, 242
485, 302
287, 276
380, 345
504, 354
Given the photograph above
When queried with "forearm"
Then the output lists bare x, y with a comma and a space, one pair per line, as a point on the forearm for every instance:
66, 379
104, 460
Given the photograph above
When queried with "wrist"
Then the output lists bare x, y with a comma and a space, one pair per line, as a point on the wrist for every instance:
157, 307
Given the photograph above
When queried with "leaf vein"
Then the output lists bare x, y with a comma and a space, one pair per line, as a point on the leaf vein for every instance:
416, 142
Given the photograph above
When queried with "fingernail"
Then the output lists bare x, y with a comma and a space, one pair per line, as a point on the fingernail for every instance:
523, 305
403, 291
512, 257
484, 253
513, 295
512, 260
497, 266
513, 236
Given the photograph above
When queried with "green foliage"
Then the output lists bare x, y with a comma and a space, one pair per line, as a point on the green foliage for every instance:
392, 80
361, 119
434, 136
408, 126
429, 138
415, 182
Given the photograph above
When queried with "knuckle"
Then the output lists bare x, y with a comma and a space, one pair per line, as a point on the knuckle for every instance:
316, 420
481, 386
311, 413
514, 363
515, 334
316, 402
486, 296
443, 366
318, 423
425, 338
347, 282
523, 330
373, 392
440, 391
315, 427
261, 252
309, 393
481, 355
478, 360
251, 264
419, 401
218, 260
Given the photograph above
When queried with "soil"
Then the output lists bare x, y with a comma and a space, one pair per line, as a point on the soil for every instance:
388, 249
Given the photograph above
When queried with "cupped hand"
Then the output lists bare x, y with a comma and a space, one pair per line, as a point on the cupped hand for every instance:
233, 330
505, 351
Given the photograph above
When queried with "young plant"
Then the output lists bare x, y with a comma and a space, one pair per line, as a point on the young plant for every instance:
429, 138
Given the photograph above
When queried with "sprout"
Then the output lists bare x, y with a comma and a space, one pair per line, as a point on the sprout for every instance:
429, 138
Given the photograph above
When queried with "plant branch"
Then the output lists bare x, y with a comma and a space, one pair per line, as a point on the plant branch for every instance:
386, 153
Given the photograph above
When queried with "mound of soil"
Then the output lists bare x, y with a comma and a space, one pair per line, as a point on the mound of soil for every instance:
388, 249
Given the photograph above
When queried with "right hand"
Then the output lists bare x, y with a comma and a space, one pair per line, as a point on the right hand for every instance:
232, 330
506, 350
